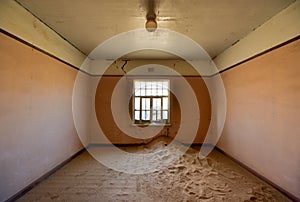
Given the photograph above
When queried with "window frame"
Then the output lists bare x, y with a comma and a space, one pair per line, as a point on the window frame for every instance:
151, 121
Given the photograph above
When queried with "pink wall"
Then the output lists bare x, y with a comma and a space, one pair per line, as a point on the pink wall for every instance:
37, 130
263, 116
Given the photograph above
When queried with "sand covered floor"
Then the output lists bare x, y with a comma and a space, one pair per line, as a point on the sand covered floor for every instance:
187, 178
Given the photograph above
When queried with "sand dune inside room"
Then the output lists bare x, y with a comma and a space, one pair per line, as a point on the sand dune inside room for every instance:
184, 178
203, 105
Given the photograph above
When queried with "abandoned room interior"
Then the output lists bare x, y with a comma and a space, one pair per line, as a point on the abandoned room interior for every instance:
150, 100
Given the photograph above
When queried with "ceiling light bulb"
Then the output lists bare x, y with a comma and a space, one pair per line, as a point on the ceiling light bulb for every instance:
151, 25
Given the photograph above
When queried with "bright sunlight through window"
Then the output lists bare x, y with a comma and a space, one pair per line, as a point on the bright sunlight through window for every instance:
151, 102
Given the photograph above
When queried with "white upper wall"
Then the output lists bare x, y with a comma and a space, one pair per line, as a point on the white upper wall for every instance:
279, 29
19, 22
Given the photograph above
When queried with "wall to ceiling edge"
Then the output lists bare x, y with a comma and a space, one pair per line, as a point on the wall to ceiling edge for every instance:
260, 88
37, 129
262, 97
17, 21
282, 27
262, 124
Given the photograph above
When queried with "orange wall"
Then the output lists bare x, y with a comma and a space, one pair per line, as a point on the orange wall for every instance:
115, 135
263, 115
37, 130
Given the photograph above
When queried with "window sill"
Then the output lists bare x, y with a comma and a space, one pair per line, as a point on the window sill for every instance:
151, 124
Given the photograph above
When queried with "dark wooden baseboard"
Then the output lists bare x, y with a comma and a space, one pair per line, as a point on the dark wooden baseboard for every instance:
45, 176
286, 193
42, 178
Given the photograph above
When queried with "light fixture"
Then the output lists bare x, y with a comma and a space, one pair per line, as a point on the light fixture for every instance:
151, 25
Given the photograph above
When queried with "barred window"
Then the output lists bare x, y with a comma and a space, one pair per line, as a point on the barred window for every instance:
151, 101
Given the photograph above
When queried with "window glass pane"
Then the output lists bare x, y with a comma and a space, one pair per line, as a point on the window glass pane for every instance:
165, 114
137, 92
159, 91
143, 103
165, 84
137, 115
165, 103
158, 115
148, 91
137, 86
146, 103
146, 115
151, 101
156, 103
143, 89
149, 88
165, 92
165, 88
153, 87
154, 90
137, 103
154, 115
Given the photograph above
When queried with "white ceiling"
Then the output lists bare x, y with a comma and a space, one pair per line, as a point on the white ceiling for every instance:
214, 24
